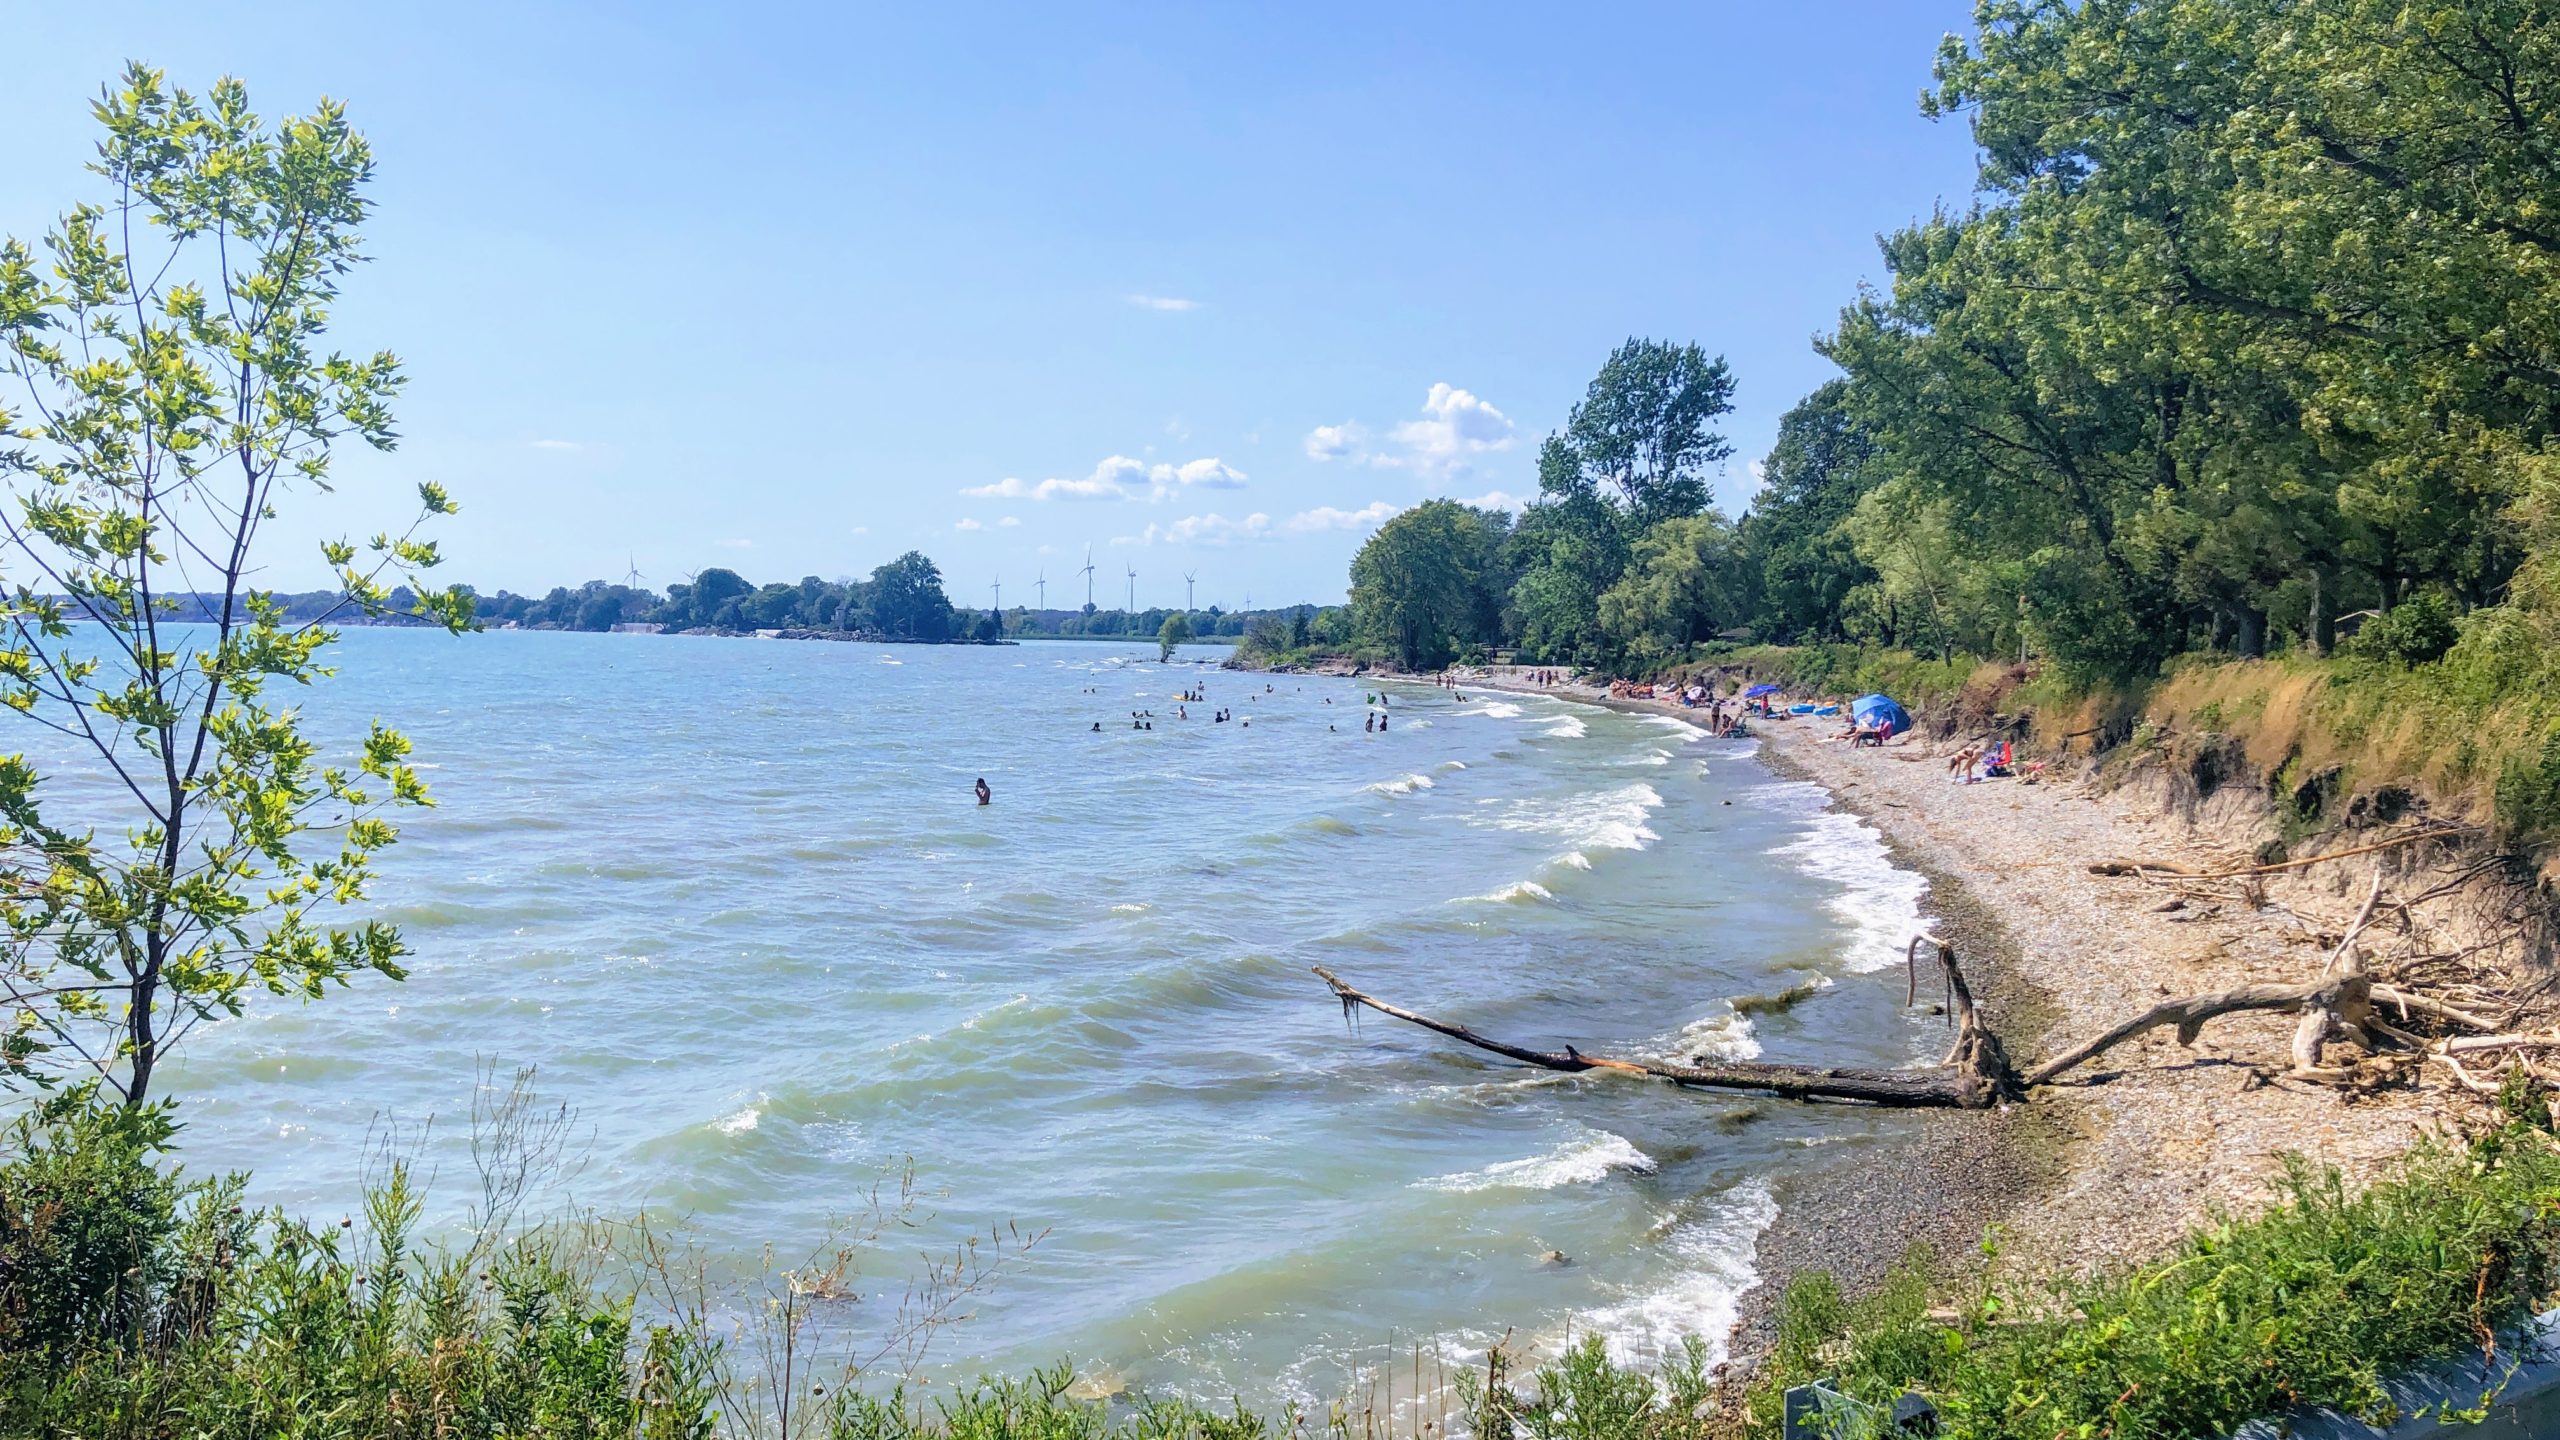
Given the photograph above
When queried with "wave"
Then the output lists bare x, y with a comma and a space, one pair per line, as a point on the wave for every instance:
1714, 1255
1601, 820
1593, 1155
1519, 892
1327, 825
1453, 764
1691, 732
1404, 786
1493, 709
739, 1123
1729, 1036
1565, 727
1648, 758
1878, 901
1133, 908
1572, 860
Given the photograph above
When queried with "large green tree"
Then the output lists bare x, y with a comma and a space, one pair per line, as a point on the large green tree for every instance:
172, 389
1429, 583
907, 601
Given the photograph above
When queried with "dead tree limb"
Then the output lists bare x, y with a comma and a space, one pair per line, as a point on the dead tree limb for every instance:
2188, 872
1976, 1076
2190, 1012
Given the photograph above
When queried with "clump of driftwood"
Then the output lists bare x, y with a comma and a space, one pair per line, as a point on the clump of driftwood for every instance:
2418, 1006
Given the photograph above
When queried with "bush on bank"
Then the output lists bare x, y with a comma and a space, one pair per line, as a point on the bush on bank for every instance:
138, 1302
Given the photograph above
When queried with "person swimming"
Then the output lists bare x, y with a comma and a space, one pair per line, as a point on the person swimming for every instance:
985, 795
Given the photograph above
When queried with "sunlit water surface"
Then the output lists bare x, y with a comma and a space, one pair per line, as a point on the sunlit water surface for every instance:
736, 901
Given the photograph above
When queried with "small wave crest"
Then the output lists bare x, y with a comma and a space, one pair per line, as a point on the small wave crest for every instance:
1403, 785
1519, 892
1591, 1156
1729, 1036
1566, 727
1602, 820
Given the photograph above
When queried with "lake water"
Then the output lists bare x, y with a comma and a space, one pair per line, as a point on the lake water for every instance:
736, 901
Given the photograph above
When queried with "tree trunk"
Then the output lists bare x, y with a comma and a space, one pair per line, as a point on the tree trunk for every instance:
2321, 634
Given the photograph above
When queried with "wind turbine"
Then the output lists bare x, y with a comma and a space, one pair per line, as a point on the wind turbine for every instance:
1133, 590
998, 587
1042, 584
633, 577
1087, 572
1187, 577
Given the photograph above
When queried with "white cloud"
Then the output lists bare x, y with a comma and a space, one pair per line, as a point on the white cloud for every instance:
1209, 473
735, 544
1207, 530
861, 529
1333, 442
1171, 303
1008, 522
967, 524
1457, 427
1010, 488
1497, 500
1120, 477
1326, 517
557, 445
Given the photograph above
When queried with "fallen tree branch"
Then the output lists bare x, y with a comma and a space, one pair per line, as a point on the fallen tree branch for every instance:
2171, 867
1976, 1077
2190, 1012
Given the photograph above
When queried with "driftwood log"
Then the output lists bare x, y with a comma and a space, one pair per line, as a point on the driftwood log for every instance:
1976, 1074
2343, 1001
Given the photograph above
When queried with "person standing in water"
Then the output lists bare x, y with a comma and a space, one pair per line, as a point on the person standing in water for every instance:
985, 795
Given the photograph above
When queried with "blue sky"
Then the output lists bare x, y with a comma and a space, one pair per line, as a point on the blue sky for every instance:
1210, 288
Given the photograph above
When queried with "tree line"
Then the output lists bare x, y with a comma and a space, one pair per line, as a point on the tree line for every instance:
2249, 340
902, 600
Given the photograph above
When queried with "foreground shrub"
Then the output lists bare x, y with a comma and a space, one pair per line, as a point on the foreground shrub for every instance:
141, 1303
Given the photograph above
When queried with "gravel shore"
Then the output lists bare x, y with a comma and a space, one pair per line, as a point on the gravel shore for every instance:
2119, 1159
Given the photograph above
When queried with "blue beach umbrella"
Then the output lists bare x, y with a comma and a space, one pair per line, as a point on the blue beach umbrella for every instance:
1756, 691
1872, 709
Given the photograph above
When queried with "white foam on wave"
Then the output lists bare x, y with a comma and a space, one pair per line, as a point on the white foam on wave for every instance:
1572, 860
1728, 1036
1405, 785
1590, 1156
1496, 709
1648, 758
1712, 1256
1691, 732
1133, 908
1519, 892
740, 1123
1601, 820
1453, 764
891, 660
1877, 900
1565, 727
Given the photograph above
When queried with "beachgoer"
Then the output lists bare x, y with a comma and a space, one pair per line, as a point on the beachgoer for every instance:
1368, 725
985, 795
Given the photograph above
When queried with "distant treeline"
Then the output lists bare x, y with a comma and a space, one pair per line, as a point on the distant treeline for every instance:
2250, 344
902, 600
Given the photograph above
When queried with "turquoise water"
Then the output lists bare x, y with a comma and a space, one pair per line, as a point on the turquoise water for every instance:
736, 901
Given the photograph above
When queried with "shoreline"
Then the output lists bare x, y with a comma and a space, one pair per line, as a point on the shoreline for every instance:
2114, 1164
